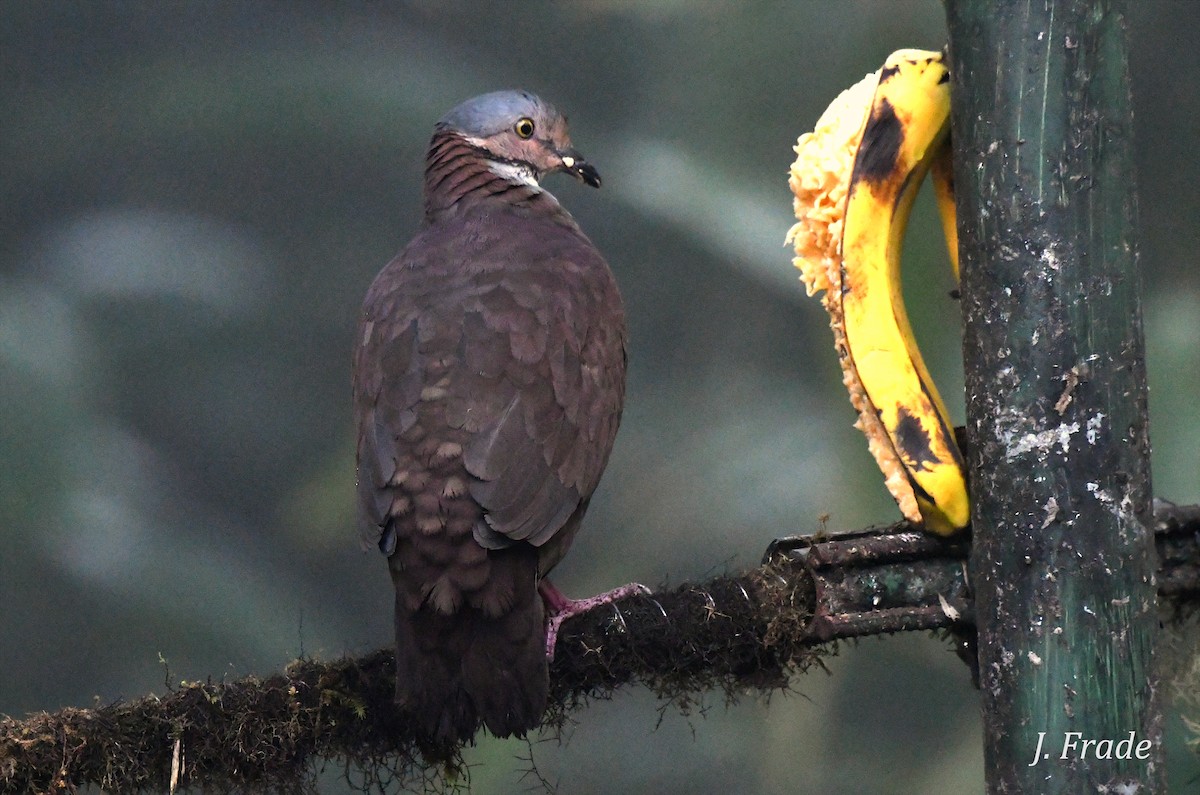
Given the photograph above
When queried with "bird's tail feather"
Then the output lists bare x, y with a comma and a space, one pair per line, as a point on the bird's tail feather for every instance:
454, 671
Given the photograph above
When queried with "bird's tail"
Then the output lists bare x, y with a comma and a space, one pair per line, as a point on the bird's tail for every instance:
455, 670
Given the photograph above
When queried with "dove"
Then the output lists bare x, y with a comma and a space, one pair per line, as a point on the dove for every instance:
488, 381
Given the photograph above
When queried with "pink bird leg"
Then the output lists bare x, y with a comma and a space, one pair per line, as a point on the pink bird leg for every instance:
559, 608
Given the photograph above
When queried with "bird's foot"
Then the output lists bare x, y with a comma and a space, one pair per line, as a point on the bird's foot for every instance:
559, 608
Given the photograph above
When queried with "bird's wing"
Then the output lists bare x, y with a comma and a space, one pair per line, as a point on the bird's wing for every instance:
387, 380
550, 329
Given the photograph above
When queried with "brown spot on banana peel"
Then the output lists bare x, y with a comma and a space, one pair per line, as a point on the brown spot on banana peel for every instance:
947, 434
888, 71
912, 441
880, 147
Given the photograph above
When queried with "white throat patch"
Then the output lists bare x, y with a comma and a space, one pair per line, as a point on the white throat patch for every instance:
514, 172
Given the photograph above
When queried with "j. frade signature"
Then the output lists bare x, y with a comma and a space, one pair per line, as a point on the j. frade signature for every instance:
1076, 746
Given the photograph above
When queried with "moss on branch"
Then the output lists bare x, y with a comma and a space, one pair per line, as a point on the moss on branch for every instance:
736, 634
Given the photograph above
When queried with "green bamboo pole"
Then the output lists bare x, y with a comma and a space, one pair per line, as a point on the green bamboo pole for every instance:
1063, 560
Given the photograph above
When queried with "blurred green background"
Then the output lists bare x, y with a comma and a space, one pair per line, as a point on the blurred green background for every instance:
193, 200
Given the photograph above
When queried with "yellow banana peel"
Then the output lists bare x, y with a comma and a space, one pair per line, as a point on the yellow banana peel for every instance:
854, 181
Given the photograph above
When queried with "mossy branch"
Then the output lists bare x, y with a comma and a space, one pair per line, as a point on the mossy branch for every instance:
741, 633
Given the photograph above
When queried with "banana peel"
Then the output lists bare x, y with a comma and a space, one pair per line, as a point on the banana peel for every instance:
854, 181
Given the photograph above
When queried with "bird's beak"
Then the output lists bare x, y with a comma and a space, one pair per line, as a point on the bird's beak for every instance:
574, 164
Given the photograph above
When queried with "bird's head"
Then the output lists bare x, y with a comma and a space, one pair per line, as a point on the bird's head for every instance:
522, 137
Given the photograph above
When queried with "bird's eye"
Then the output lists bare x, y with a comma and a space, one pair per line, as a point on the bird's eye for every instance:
524, 128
